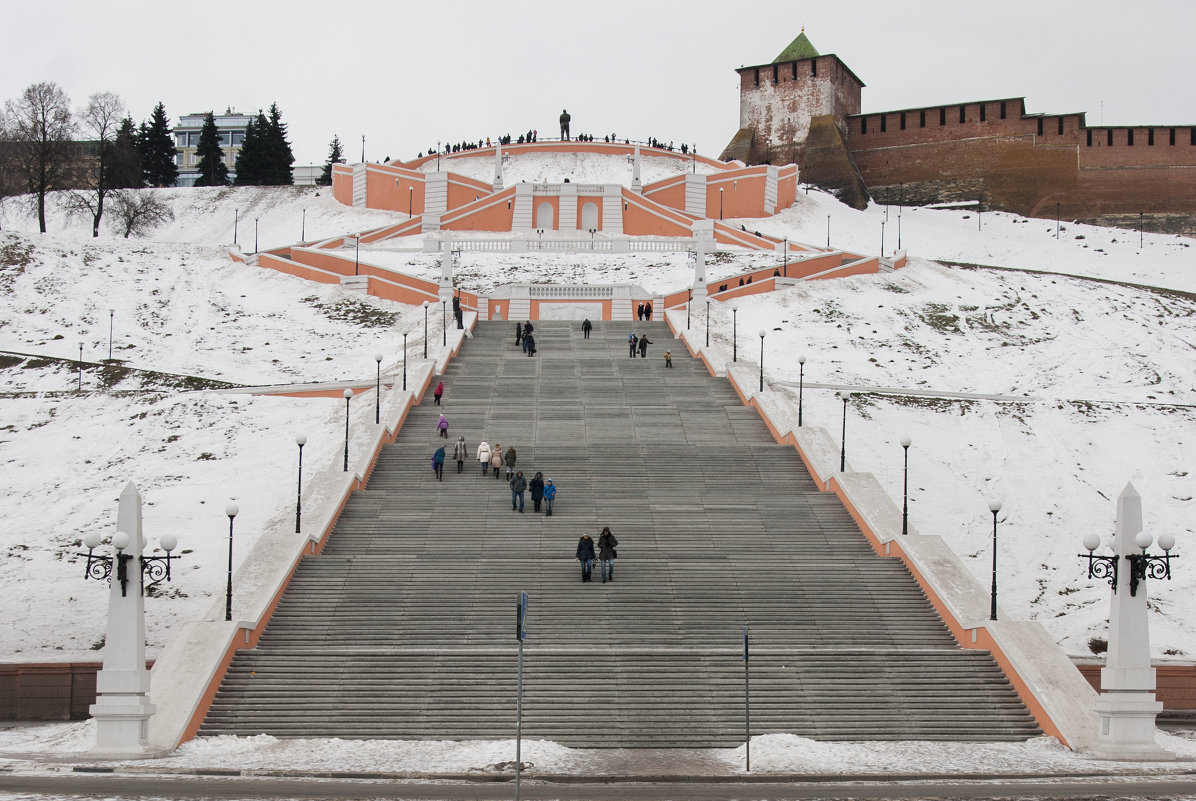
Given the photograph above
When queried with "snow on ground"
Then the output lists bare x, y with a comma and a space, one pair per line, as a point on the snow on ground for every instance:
580, 168
28, 748
1100, 378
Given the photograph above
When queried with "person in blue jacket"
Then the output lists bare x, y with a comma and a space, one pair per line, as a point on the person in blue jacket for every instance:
549, 497
438, 463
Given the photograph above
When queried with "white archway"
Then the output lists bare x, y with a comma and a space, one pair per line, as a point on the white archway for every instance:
589, 216
544, 216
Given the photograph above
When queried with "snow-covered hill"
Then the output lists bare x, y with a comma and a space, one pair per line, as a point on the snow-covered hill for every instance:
1095, 385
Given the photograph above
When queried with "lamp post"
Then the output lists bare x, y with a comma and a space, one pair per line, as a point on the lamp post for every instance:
994, 506
1141, 229
356, 254
378, 391
801, 385
404, 361
231, 510
845, 397
444, 323
785, 257
255, 234
348, 397
689, 300
762, 332
426, 304
303, 226
111, 322
410, 192
882, 237
720, 202
80, 389
236, 223
300, 440
707, 323
828, 230
734, 333
905, 443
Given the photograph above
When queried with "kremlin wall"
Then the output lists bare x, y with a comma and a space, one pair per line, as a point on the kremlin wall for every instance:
805, 108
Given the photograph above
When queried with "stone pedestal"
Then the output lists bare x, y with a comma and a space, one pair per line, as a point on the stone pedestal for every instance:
122, 709
1127, 707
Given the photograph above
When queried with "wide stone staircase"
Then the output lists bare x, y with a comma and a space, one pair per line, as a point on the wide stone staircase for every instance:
404, 627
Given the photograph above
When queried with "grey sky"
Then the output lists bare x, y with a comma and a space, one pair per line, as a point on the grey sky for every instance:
406, 74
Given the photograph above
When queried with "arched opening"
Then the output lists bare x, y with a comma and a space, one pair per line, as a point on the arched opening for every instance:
589, 216
544, 216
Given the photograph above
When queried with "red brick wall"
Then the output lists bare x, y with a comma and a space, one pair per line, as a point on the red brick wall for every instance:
1175, 685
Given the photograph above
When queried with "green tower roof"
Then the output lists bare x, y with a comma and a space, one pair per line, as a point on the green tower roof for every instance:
798, 49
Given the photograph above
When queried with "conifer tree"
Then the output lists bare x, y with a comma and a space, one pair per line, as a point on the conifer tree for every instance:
126, 158
279, 159
212, 169
336, 155
158, 154
251, 160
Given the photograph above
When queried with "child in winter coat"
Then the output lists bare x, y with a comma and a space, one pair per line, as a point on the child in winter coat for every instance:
549, 497
668, 359
442, 426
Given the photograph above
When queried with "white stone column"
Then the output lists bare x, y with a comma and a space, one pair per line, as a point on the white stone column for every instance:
122, 709
699, 285
1127, 707
498, 182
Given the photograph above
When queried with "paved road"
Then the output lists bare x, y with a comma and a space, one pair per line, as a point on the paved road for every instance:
122, 786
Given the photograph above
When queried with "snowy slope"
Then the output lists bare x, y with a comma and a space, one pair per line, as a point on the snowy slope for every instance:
1095, 383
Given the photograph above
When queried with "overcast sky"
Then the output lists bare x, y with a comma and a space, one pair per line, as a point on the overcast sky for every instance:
406, 74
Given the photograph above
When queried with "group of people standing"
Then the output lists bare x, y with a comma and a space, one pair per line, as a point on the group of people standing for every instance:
638, 342
524, 338
645, 311
542, 490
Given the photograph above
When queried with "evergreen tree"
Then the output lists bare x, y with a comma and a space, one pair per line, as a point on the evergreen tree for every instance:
212, 169
336, 155
279, 158
126, 158
251, 161
158, 166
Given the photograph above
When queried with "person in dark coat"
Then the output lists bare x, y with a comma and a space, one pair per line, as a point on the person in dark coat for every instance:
586, 327
438, 393
536, 487
644, 343
509, 459
438, 463
529, 344
518, 485
648, 311
606, 552
639, 313
518, 333
632, 341
565, 118
585, 555
457, 315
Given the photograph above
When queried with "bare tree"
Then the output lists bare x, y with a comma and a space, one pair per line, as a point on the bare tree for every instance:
41, 128
100, 119
137, 211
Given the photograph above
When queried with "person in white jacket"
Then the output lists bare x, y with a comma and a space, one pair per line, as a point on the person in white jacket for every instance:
484, 457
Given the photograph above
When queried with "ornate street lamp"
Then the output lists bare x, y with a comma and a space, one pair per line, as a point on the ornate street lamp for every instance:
300, 440
100, 568
378, 391
762, 332
801, 385
734, 333
994, 506
905, 443
231, 510
348, 397
845, 397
